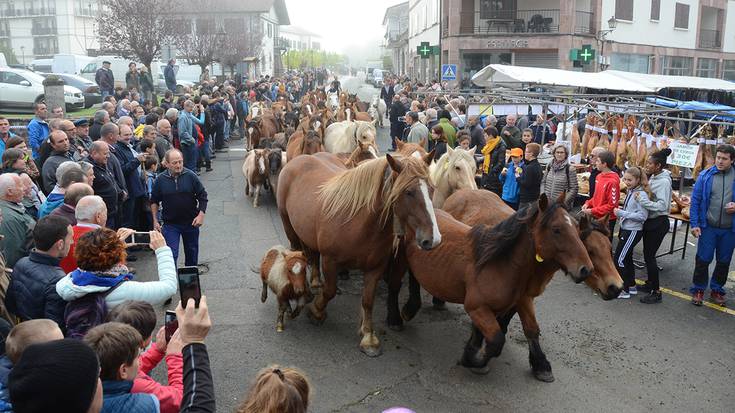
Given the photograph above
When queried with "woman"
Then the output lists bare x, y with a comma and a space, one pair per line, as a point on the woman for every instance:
657, 224
13, 161
146, 84
560, 177
20, 143
494, 161
440, 141
100, 256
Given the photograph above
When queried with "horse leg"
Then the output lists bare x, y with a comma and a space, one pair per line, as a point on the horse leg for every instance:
539, 363
317, 310
475, 356
256, 194
313, 259
281, 312
394, 274
264, 293
413, 305
370, 344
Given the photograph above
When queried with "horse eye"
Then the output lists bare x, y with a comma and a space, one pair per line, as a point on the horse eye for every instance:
409, 192
556, 230
457, 168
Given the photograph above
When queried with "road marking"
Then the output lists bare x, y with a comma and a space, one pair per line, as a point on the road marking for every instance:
687, 297
238, 150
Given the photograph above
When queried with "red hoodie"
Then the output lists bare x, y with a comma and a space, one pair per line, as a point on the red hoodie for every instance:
169, 396
607, 195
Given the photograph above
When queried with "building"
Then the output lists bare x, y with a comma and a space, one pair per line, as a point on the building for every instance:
297, 38
674, 37
40, 29
395, 41
423, 27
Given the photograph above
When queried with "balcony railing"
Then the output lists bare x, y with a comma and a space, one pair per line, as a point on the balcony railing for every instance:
510, 21
710, 39
30, 12
43, 31
4, 33
45, 51
584, 22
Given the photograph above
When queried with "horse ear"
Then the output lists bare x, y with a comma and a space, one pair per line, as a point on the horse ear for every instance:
562, 196
584, 222
422, 141
543, 203
394, 164
429, 156
604, 220
399, 143
472, 151
449, 150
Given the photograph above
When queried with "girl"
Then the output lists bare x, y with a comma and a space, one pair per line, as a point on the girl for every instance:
440, 141
277, 390
631, 215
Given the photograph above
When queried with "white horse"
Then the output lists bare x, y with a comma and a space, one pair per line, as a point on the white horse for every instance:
377, 109
255, 172
333, 101
455, 170
346, 136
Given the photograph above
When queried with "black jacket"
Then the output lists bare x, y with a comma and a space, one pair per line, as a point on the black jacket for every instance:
530, 182
32, 291
198, 383
387, 96
94, 131
181, 197
477, 138
130, 166
491, 179
105, 185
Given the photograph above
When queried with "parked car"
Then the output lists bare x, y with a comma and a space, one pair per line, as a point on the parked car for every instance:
21, 89
89, 89
180, 85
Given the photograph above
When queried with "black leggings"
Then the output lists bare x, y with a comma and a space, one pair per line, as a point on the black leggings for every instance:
654, 231
624, 255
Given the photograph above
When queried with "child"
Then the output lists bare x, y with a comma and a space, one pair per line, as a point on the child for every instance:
510, 185
277, 390
464, 141
141, 316
526, 138
150, 164
607, 190
117, 346
529, 176
632, 216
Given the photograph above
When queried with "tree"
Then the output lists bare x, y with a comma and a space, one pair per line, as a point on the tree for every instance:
10, 57
240, 42
198, 46
135, 29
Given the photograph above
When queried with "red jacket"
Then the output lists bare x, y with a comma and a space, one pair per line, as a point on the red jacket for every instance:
606, 196
69, 263
169, 396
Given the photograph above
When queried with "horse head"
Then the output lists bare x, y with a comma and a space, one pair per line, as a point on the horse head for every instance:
410, 198
365, 137
458, 167
410, 149
260, 158
311, 143
296, 265
275, 161
605, 278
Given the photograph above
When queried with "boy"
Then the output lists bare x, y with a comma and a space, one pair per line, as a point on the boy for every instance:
526, 138
141, 316
529, 176
607, 190
464, 142
117, 346
510, 185
150, 171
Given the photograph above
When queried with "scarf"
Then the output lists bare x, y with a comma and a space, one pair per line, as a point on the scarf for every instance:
558, 166
486, 151
110, 278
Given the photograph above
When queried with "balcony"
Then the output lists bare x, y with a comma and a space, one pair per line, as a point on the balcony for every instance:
44, 51
44, 31
584, 22
710, 39
30, 12
509, 21
4, 33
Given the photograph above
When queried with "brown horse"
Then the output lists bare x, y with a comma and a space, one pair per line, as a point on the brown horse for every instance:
255, 170
411, 149
300, 144
358, 156
350, 217
494, 272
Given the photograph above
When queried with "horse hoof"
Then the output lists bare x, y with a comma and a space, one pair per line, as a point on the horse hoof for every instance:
480, 371
544, 376
408, 314
295, 313
371, 351
316, 321
279, 328
439, 306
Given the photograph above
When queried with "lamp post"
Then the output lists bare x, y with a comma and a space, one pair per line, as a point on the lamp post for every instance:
23, 55
601, 38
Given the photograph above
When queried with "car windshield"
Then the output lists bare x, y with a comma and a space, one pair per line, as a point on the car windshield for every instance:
33, 77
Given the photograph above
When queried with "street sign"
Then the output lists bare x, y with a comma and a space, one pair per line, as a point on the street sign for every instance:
449, 72
424, 50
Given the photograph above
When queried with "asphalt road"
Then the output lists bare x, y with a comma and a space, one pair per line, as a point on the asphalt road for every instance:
607, 356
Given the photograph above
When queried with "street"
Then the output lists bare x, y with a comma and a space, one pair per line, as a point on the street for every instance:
612, 356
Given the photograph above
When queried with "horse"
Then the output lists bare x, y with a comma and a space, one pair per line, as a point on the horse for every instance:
256, 174
332, 100
312, 122
303, 144
411, 149
276, 160
346, 136
496, 271
364, 116
358, 156
455, 170
350, 218
379, 108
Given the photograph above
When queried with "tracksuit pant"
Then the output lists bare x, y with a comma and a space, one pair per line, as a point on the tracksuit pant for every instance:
721, 241
190, 236
654, 231
627, 241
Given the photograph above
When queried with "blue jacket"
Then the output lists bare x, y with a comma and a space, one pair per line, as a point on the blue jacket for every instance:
170, 76
700, 199
32, 290
37, 132
52, 202
119, 399
130, 166
5, 366
2, 142
186, 126
511, 190
182, 197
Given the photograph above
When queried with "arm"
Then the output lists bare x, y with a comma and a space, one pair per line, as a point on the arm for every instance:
54, 305
198, 384
150, 359
184, 130
34, 135
610, 202
662, 202
573, 186
694, 213
200, 120
201, 195
154, 292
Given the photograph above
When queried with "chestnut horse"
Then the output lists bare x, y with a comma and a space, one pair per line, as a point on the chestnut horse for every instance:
411, 149
300, 144
351, 217
494, 272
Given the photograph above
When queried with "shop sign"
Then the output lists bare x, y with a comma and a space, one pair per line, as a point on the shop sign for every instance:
683, 155
507, 44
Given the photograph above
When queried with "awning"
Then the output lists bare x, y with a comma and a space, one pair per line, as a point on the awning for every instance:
658, 82
702, 110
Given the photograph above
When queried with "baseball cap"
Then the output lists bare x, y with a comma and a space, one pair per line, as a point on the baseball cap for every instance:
516, 152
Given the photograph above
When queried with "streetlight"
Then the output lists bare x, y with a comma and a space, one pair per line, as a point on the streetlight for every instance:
23, 54
601, 37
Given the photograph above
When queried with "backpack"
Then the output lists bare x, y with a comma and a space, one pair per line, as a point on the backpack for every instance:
86, 312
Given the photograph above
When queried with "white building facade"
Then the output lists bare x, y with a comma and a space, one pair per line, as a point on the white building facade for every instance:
297, 38
395, 41
423, 27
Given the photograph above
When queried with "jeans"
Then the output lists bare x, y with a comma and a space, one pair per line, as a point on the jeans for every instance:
190, 235
226, 131
721, 241
654, 231
129, 214
219, 136
205, 153
190, 156
106, 93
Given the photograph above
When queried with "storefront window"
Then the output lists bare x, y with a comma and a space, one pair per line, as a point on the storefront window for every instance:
677, 66
728, 70
637, 63
497, 9
474, 62
707, 67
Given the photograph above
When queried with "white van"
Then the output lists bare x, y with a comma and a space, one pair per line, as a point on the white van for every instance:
378, 78
70, 63
118, 65
42, 65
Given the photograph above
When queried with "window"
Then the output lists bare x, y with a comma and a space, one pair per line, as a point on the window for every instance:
655, 9
728, 70
11, 78
707, 67
637, 63
681, 18
270, 30
497, 9
624, 10
677, 66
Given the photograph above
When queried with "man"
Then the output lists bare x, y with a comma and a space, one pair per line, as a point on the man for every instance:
541, 130
130, 162
162, 140
60, 154
109, 107
16, 226
387, 92
90, 214
184, 202
104, 184
105, 79
124, 108
168, 100
188, 142
169, 75
510, 133
530, 176
100, 118
32, 291
477, 134
450, 132
132, 78
38, 129
5, 133
110, 135
74, 193
66, 174
81, 139
416, 129
57, 112
711, 217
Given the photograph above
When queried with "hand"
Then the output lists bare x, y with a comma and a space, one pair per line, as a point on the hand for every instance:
156, 225
616, 211
585, 209
696, 232
141, 157
194, 323
198, 221
730, 207
161, 340
175, 345
124, 233
157, 240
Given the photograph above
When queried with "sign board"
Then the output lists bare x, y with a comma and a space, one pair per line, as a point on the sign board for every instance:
682, 154
585, 55
449, 72
507, 44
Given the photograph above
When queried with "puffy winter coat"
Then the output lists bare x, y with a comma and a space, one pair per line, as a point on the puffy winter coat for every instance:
32, 291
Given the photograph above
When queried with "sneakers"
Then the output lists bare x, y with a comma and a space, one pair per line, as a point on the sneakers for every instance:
717, 298
624, 294
633, 290
698, 298
653, 297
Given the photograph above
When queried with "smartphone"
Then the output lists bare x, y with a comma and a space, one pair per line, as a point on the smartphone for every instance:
171, 324
189, 285
139, 238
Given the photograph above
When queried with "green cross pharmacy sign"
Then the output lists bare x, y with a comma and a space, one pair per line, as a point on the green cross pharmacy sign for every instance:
585, 55
426, 50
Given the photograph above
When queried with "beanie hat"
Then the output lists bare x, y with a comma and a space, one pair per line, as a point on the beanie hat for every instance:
53, 376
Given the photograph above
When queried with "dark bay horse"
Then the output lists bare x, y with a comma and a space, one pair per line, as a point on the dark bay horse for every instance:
351, 217
494, 272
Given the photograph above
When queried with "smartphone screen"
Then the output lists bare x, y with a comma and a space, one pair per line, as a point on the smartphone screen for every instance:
171, 324
142, 237
189, 285
130, 239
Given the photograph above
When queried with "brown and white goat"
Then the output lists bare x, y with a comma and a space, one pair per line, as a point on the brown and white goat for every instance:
284, 272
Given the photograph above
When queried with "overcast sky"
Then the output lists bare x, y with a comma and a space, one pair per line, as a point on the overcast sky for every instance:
352, 27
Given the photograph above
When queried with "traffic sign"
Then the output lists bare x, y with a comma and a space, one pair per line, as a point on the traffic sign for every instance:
449, 72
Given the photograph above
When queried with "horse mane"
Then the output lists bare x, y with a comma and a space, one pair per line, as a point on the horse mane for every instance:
594, 225
490, 243
440, 168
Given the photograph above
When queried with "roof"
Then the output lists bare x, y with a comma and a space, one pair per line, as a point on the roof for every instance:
397, 10
609, 79
298, 30
247, 6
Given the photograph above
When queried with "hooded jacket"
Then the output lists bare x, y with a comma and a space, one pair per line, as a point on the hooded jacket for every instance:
510, 185
632, 215
118, 398
701, 199
168, 396
661, 190
607, 195
530, 181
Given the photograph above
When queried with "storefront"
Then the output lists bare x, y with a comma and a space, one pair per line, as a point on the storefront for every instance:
472, 61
